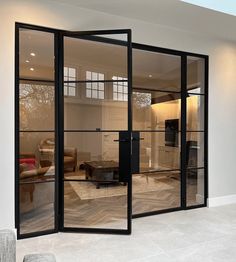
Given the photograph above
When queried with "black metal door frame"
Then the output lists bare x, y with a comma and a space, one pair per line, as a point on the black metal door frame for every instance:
58, 44
96, 36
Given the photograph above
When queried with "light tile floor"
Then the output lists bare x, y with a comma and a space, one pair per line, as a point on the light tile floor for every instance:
195, 235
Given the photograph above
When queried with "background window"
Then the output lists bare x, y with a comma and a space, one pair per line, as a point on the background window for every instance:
69, 75
95, 89
120, 89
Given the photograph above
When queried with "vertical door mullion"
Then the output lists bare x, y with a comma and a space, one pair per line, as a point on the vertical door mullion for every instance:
17, 133
129, 60
60, 142
206, 71
183, 129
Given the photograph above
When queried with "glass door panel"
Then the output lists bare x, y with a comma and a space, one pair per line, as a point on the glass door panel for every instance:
97, 140
36, 159
196, 131
156, 120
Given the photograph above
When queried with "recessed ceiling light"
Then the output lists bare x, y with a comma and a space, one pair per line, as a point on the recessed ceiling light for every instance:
32, 54
31, 69
149, 75
27, 61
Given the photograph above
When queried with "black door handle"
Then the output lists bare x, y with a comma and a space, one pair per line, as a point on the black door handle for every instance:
137, 139
122, 140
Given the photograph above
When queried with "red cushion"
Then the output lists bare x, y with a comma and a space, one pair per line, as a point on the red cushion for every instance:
31, 162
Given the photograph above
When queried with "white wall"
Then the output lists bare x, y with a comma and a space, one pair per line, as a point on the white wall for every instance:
222, 107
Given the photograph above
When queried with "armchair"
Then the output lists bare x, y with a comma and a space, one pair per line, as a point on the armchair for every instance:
46, 154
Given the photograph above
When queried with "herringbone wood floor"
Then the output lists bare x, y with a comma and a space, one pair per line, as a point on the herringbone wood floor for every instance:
107, 212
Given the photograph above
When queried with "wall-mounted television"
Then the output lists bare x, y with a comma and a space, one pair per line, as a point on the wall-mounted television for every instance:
171, 132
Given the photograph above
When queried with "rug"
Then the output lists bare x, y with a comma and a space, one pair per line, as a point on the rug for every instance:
87, 190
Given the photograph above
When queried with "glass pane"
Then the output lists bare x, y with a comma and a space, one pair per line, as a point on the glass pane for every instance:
101, 86
37, 106
156, 71
120, 96
36, 54
71, 91
195, 187
196, 75
159, 151
94, 76
88, 75
156, 110
72, 72
99, 112
65, 90
96, 199
104, 59
195, 112
155, 191
37, 176
101, 95
94, 94
195, 149
120, 88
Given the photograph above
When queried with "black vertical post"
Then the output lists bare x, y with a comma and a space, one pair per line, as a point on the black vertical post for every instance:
57, 119
60, 130
17, 194
206, 131
183, 129
130, 75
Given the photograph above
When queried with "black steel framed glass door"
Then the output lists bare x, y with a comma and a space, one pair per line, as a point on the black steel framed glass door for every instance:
96, 139
80, 138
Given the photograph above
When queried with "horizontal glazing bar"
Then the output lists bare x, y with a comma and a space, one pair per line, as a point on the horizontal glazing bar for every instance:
37, 131
100, 130
155, 90
159, 171
96, 81
195, 131
36, 182
195, 168
37, 80
153, 131
93, 181
195, 94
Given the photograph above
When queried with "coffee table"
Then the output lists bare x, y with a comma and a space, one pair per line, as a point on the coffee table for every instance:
102, 172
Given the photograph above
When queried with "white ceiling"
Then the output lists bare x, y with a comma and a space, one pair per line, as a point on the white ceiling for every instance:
172, 13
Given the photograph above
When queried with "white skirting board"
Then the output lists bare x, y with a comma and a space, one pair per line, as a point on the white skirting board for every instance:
221, 201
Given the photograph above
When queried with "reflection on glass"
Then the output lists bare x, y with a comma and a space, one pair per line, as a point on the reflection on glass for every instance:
195, 149
156, 71
36, 54
95, 109
195, 187
156, 152
97, 57
155, 191
196, 75
37, 175
195, 112
95, 198
153, 110
37, 106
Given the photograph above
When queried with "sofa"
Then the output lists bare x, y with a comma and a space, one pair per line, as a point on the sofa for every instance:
8, 250
46, 154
